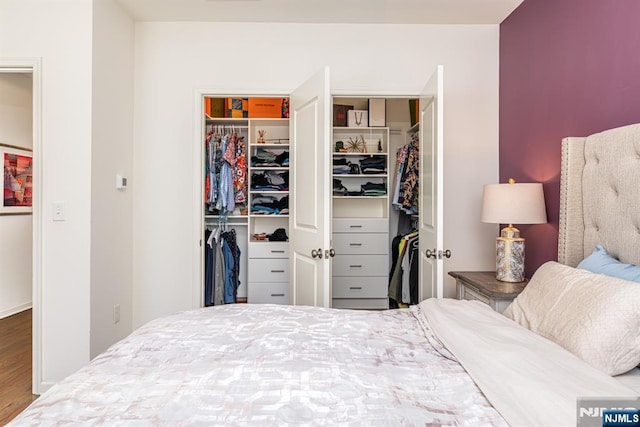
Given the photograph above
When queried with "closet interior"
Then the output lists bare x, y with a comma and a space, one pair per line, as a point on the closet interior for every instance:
374, 203
371, 181
246, 174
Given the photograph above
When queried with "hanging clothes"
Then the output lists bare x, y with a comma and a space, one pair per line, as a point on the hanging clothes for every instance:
222, 267
212, 170
240, 177
228, 200
225, 171
406, 191
214, 269
232, 254
403, 281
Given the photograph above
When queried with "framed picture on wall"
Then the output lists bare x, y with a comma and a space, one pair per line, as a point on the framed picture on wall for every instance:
17, 187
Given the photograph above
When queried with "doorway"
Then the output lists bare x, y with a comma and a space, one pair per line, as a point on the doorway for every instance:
20, 212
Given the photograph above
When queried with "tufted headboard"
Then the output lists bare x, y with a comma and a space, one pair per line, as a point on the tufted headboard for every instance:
600, 195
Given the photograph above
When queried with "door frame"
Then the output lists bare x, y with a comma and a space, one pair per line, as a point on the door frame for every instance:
33, 66
392, 157
197, 290
198, 159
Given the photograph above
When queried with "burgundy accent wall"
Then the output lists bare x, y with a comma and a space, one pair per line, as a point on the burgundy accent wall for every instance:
567, 68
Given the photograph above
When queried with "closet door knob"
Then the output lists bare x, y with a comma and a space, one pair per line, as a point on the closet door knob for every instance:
430, 254
329, 253
447, 253
316, 253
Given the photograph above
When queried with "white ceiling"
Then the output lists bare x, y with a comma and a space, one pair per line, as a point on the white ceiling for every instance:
324, 11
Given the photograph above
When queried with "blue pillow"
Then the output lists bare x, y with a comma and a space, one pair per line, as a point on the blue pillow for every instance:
601, 262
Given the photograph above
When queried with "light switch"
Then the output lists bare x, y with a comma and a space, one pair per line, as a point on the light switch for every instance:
58, 211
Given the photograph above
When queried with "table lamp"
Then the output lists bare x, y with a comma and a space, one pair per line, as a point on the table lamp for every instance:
512, 203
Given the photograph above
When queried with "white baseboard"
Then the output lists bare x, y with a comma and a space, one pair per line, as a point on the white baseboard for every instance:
17, 309
44, 386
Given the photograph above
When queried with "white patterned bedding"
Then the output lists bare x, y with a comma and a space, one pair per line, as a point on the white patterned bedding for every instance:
286, 365
270, 365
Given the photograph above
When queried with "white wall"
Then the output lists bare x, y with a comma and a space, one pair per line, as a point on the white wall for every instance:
59, 32
112, 153
172, 62
15, 230
176, 60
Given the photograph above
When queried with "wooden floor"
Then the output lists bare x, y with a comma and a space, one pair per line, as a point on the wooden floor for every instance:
15, 365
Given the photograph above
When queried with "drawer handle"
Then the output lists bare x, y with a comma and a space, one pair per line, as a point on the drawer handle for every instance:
355, 244
355, 288
277, 295
277, 271
277, 252
355, 266
355, 226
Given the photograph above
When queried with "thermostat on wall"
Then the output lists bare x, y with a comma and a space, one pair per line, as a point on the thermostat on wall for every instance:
121, 182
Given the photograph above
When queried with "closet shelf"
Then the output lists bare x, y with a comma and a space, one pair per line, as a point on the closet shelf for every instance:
257, 215
361, 197
255, 190
270, 168
269, 144
359, 128
239, 123
361, 175
358, 154
262, 120
228, 216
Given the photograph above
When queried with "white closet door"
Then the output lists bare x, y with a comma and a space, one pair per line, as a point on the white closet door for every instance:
309, 221
431, 218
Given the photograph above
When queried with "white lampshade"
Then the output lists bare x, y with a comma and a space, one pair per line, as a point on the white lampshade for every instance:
518, 203
512, 204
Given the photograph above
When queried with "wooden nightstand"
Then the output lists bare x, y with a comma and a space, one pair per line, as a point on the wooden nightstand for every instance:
484, 287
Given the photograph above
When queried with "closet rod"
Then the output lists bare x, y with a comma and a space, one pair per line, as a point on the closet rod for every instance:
211, 226
214, 221
229, 126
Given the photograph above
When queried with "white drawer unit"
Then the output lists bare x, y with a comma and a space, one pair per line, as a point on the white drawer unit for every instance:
268, 250
361, 265
360, 209
360, 268
361, 243
360, 225
360, 287
269, 293
268, 273
268, 270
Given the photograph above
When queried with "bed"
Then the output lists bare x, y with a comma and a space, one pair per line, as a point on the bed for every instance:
442, 362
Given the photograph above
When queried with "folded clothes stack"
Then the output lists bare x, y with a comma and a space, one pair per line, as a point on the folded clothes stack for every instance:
368, 189
373, 165
263, 204
338, 188
341, 166
267, 158
270, 180
279, 235
373, 189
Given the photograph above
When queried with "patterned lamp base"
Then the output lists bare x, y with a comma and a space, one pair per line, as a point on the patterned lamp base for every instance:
510, 259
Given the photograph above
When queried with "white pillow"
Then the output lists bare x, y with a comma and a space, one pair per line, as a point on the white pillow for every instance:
596, 317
